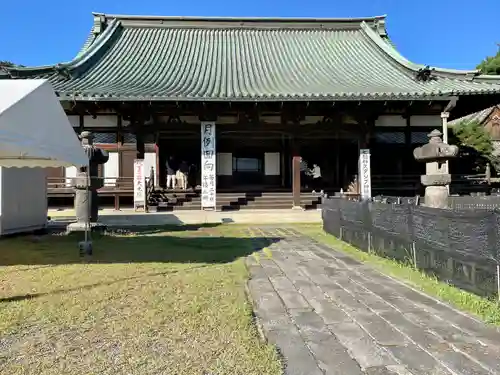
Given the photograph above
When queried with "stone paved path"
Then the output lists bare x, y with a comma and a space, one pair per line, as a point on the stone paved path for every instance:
329, 314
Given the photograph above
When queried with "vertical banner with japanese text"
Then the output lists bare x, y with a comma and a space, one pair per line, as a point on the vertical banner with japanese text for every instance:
208, 167
139, 184
365, 174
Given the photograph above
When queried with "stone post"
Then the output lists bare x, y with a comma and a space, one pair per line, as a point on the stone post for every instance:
435, 154
86, 197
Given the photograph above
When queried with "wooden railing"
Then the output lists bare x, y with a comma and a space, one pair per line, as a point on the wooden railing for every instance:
381, 184
115, 187
110, 183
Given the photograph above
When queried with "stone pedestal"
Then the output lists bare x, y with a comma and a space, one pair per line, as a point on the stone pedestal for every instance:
81, 227
85, 209
436, 196
86, 196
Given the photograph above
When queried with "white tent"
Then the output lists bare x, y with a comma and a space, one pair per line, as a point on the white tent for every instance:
34, 130
35, 133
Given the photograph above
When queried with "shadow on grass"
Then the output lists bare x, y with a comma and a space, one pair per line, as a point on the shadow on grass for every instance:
28, 296
49, 251
57, 250
149, 229
61, 225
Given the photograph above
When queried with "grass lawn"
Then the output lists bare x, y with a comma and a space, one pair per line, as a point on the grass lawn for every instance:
487, 310
158, 302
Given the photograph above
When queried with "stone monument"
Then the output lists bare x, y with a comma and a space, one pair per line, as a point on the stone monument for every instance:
86, 197
435, 154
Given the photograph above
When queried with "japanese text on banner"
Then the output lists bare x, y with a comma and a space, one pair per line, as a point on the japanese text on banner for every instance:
208, 167
139, 184
365, 174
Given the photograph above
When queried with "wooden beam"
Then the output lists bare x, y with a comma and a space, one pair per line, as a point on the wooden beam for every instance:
139, 139
296, 183
81, 119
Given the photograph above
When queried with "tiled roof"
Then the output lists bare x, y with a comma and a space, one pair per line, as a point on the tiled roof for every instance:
175, 58
476, 116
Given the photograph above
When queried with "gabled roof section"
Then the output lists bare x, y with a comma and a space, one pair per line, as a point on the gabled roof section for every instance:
96, 30
480, 116
249, 59
92, 50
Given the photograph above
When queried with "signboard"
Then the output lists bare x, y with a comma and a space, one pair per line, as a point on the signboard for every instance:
208, 167
365, 174
139, 184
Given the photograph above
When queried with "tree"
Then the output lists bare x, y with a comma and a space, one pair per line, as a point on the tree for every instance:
8, 64
490, 65
475, 144
472, 134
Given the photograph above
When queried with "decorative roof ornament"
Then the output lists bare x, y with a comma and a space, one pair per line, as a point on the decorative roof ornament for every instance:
63, 71
426, 74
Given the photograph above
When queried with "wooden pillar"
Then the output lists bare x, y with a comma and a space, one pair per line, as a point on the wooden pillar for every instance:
141, 148
283, 161
408, 132
338, 183
117, 202
287, 162
157, 174
296, 175
407, 158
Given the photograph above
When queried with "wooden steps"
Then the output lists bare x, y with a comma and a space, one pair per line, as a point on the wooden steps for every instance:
230, 201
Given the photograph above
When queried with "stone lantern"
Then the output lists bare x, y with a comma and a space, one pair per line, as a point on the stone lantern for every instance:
86, 197
435, 154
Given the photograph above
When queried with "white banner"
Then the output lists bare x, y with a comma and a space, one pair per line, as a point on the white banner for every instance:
208, 165
365, 174
139, 184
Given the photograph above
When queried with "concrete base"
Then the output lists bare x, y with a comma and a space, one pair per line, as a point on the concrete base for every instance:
300, 208
436, 196
80, 227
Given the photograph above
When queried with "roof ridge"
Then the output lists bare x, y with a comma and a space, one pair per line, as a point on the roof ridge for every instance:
488, 77
377, 22
238, 19
395, 55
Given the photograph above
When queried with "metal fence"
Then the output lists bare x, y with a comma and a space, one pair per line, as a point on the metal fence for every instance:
458, 246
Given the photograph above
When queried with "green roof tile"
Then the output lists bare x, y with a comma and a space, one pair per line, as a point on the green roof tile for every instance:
175, 58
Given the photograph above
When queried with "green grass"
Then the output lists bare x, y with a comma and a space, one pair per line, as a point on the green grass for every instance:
164, 302
485, 309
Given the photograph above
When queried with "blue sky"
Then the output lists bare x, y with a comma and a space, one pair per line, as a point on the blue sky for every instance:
446, 33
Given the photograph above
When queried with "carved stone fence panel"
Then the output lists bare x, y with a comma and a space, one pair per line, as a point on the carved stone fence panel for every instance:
458, 246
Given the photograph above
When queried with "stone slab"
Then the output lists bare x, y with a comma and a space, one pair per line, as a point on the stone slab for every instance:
332, 356
297, 357
329, 314
361, 346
